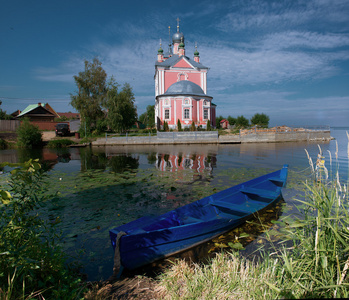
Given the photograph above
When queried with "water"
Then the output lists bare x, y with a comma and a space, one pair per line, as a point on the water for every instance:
101, 188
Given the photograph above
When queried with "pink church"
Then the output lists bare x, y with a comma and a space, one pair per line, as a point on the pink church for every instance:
180, 88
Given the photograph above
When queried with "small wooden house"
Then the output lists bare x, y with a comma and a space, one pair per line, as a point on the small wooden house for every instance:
42, 112
224, 124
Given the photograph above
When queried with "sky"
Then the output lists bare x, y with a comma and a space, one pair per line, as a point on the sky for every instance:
287, 59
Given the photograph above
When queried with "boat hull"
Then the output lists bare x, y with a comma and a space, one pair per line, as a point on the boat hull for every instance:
151, 238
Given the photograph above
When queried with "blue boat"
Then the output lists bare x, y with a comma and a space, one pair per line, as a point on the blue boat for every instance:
148, 239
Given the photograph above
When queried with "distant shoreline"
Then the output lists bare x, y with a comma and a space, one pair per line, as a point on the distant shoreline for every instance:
176, 138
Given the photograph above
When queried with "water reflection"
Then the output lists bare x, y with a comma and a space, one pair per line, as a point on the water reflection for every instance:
174, 162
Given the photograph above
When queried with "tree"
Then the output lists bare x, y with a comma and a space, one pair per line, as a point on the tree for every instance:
122, 112
208, 125
241, 121
179, 125
218, 121
166, 126
260, 119
3, 114
231, 120
192, 127
148, 118
91, 95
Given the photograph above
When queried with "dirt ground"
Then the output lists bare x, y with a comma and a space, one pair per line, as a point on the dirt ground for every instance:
138, 287
50, 135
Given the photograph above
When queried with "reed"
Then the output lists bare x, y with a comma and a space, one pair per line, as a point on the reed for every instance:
310, 261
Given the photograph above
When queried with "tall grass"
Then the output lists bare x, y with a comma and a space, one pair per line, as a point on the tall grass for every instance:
311, 261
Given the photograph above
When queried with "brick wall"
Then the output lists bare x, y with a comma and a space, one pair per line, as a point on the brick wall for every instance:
46, 125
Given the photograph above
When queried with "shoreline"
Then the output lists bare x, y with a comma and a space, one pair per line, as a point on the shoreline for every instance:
179, 138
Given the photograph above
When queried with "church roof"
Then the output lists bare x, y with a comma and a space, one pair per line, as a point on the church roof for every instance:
171, 61
185, 87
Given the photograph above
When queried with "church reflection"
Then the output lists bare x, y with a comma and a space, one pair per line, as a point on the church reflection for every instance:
174, 162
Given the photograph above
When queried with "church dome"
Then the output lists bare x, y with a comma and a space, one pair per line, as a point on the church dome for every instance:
178, 37
185, 87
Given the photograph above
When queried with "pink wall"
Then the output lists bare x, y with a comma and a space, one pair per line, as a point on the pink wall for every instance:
179, 110
172, 77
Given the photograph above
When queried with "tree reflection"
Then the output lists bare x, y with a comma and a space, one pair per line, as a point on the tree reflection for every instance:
92, 161
121, 163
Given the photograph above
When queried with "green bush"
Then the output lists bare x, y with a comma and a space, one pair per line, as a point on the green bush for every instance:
32, 264
241, 121
3, 144
28, 135
59, 143
260, 120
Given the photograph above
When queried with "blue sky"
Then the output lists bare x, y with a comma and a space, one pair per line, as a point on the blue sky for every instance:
288, 59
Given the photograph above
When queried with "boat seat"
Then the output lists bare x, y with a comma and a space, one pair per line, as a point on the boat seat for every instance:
277, 180
227, 208
260, 193
189, 220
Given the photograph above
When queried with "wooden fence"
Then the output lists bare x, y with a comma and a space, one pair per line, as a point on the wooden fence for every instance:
9, 125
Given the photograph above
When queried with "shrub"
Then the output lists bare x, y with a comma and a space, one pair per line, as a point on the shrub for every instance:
28, 135
3, 144
60, 143
31, 261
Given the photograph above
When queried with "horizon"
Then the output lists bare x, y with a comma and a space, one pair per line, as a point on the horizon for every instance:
289, 60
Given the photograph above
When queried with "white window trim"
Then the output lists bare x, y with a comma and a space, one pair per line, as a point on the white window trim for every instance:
186, 104
169, 113
208, 113
190, 117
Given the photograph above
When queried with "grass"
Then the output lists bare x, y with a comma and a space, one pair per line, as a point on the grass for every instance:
310, 261
60, 143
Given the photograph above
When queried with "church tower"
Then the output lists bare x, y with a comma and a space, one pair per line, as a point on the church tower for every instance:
180, 87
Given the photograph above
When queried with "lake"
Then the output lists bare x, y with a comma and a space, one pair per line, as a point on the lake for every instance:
96, 189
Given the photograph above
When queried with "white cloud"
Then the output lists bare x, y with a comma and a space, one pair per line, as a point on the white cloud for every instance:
308, 40
231, 66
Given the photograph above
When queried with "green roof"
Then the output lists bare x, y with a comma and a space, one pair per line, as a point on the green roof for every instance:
30, 108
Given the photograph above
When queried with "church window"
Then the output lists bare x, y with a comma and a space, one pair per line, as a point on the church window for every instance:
167, 114
186, 101
166, 102
186, 113
205, 114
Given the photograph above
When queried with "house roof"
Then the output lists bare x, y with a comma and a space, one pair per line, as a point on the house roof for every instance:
32, 107
70, 115
175, 58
